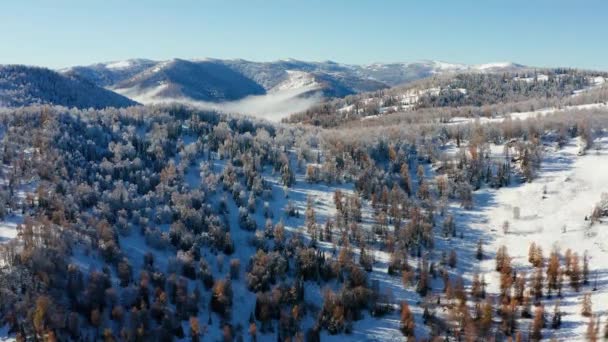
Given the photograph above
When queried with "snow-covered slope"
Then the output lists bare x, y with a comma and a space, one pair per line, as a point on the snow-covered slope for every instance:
110, 73
401, 73
497, 66
297, 80
23, 85
199, 81
553, 210
335, 79
526, 115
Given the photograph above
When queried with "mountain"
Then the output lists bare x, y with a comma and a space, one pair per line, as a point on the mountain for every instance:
215, 80
219, 81
394, 74
500, 86
333, 79
271, 90
205, 80
24, 85
108, 74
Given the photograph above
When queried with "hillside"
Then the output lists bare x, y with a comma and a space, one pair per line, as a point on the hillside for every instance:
198, 81
218, 84
108, 74
23, 85
473, 94
463, 206
200, 225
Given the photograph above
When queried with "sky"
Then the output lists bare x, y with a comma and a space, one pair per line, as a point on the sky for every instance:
61, 33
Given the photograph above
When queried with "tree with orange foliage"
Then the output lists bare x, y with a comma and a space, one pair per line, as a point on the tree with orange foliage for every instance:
407, 325
586, 309
195, 329
553, 270
40, 318
253, 331
575, 273
592, 330
537, 324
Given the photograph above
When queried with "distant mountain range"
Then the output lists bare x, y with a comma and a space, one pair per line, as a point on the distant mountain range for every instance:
213, 82
216, 80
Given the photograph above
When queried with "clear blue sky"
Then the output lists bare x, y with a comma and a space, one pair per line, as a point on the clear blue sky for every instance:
58, 33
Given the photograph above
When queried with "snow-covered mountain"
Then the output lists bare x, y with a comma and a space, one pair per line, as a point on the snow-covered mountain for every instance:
23, 85
110, 73
216, 80
394, 74
235, 85
193, 80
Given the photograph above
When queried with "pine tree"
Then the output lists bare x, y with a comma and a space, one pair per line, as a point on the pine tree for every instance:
586, 309
531, 251
537, 284
506, 281
568, 261
575, 273
535, 255
452, 259
503, 261
560, 282
553, 270
366, 261
520, 286
556, 321
253, 331
479, 253
407, 325
507, 312
420, 174
537, 324
423, 281
476, 287
485, 320
591, 330
195, 330
526, 305
310, 220
585, 269
327, 231
40, 317
406, 180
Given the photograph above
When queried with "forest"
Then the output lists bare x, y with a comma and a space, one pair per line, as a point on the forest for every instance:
160, 223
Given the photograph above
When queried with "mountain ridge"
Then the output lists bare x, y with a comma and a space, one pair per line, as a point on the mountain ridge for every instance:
26, 85
132, 77
234, 85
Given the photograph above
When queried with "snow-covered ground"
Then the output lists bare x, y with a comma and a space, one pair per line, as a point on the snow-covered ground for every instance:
143, 96
8, 227
496, 65
526, 115
23, 191
553, 208
552, 219
119, 64
596, 82
4, 335
297, 80
369, 328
